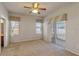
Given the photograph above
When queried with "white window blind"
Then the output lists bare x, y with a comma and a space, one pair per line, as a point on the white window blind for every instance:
38, 27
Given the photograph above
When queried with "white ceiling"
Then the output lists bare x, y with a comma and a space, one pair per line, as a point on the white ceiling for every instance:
18, 7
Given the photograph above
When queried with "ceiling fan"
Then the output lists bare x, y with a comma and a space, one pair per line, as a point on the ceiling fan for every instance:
35, 8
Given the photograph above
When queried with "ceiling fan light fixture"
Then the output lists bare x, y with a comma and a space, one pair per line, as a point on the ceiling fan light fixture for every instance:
35, 11
35, 8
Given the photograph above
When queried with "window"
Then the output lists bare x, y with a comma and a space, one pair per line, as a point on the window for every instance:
14, 27
38, 27
60, 29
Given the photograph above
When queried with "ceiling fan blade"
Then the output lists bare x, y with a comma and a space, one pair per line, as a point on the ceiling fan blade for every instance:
26, 7
42, 8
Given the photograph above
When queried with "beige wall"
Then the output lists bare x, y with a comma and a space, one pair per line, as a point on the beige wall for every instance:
72, 26
27, 29
4, 15
0, 38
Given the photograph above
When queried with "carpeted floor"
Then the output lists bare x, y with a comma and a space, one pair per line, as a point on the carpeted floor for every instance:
34, 48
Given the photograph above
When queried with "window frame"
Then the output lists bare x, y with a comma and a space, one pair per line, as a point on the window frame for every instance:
14, 28
38, 27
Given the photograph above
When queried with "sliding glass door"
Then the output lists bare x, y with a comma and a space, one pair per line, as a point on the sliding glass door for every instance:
60, 30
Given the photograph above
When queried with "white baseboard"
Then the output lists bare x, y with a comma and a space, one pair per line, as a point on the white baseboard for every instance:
30, 39
72, 51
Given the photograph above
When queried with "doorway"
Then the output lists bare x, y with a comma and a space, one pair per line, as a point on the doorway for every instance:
2, 32
59, 29
60, 32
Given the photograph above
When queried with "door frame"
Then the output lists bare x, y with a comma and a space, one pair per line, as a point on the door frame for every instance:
4, 30
0, 37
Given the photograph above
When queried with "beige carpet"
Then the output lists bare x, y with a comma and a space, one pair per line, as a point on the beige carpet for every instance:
34, 48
